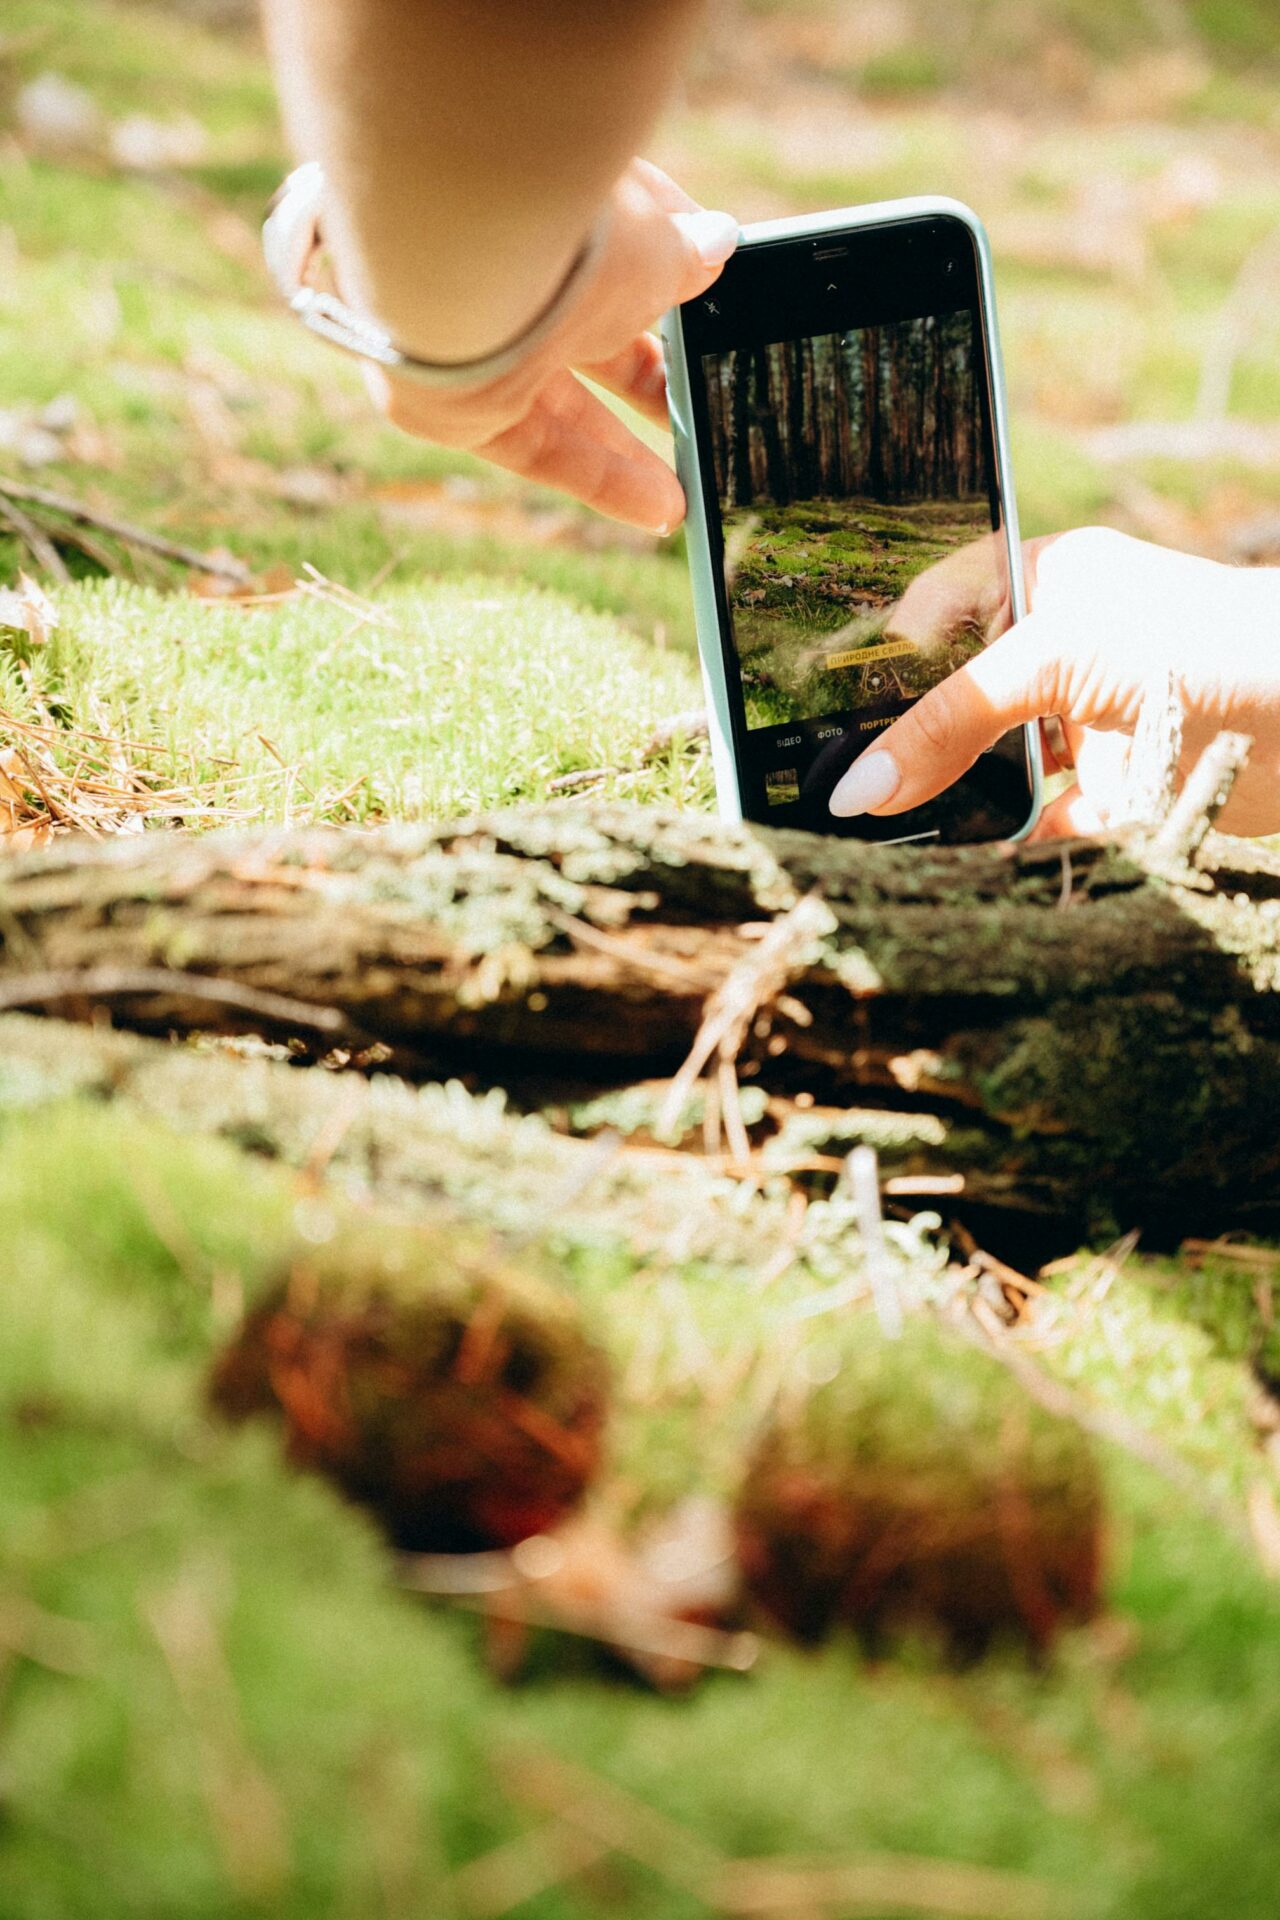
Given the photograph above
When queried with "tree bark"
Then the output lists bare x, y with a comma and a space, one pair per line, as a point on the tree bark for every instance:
1071, 1033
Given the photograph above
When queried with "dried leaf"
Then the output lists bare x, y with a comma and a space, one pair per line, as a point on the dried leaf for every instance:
12, 792
28, 609
659, 1606
26, 839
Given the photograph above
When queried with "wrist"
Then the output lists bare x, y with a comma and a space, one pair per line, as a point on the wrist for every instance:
346, 310
451, 303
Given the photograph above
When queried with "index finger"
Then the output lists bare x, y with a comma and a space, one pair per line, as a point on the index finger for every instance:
569, 439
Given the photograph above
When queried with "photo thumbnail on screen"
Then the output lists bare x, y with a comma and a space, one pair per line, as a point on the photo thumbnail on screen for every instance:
861, 559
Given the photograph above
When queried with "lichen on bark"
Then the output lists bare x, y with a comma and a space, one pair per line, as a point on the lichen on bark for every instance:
1096, 1038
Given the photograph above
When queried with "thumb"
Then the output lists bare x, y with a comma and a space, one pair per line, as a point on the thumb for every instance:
695, 240
705, 239
941, 736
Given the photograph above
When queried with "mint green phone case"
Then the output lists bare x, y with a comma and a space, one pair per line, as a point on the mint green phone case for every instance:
689, 467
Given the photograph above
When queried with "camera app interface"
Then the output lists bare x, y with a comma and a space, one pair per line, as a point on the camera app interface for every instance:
861, 559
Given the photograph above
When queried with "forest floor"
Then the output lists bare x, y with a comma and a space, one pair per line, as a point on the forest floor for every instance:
823, 576
213, 1699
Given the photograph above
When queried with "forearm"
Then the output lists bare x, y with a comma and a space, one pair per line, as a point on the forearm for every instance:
469, 148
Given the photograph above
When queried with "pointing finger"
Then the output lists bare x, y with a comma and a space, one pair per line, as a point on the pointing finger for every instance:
941, 736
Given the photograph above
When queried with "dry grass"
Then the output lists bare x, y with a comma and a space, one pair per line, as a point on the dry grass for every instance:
58, 780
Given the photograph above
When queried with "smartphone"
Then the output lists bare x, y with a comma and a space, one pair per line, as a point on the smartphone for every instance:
839, 414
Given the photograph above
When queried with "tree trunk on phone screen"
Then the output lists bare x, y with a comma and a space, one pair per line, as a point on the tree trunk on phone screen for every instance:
740, 431
874, 460
939, 398
1073, 1035
802, 419
718, 424
846, 413
770, 416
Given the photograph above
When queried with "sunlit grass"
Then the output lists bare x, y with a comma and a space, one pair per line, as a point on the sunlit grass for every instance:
432, 700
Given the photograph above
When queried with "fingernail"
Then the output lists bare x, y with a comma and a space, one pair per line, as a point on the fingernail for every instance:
869, 782
714, 235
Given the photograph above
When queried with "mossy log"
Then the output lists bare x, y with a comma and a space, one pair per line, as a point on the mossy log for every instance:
1072, 1032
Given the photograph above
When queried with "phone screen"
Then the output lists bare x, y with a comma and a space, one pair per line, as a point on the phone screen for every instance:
858, 521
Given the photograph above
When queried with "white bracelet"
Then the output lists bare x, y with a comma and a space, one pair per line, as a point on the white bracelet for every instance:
291, 240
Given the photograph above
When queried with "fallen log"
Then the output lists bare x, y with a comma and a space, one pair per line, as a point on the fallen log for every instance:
1076, 1030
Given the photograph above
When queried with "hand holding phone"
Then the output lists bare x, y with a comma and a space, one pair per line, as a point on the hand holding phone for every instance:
1111, 619
839, 421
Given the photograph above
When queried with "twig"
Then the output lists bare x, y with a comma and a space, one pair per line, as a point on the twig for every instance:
1207, 790
124, 530
47, 1639
107, 983
864, 1179
1264, 1525
735, 1127
331, 1135
287, 767
520, 1869
93, 1516
457, 1576
1109, 1425
907, 1186
610, 1816
869, 1885
647, 1635
584, 777
55, 733
753, 983
680, 726
41, 547
367, 613
96, 550
600, 1156
878, 1884
660, 966
1093, 1286
1195, 1253
244, 1810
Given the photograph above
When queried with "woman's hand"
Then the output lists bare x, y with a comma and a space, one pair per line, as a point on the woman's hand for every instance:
1110, 617
539, 420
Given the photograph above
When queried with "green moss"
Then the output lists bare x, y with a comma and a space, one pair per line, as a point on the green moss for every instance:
903, 70
1122, 1072
914, 1484
122, 1508
633, 1110
413, 703
438, 1386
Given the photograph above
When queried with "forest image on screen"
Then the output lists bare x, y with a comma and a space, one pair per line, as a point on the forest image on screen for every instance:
849, 466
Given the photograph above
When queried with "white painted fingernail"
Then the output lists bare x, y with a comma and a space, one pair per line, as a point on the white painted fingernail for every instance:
713, 235
869, 782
